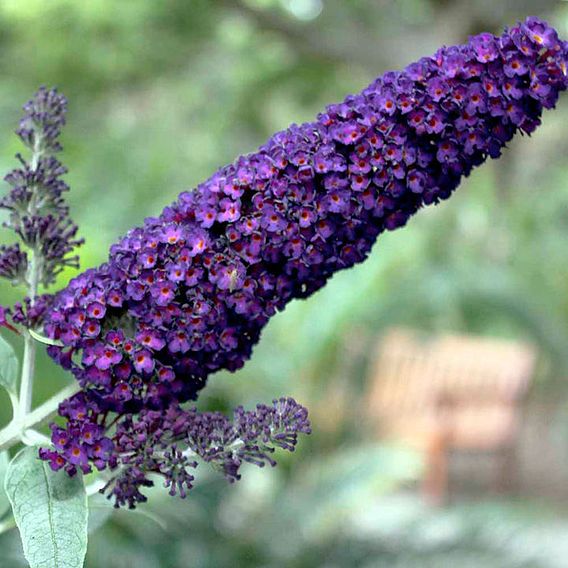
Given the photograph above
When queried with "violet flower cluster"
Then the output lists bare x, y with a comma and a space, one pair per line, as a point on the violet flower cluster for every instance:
162, 442
188, 293
168, 442
37, 212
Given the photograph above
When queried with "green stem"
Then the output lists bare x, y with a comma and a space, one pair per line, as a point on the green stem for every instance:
32, 277
28, 363
14, 400
7, 525
12, 434
94, 487
26, 383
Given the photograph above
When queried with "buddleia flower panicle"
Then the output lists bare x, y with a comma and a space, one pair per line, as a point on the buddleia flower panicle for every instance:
188, 293
170, 443
37, 212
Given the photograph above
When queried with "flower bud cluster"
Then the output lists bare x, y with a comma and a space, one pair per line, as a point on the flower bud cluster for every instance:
171, 442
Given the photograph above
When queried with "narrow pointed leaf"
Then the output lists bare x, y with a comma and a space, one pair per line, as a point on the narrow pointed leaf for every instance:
50, 509
8, 367
45, 340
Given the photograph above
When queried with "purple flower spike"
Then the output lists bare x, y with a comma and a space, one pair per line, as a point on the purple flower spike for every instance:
172, 443
37, 212
207, 274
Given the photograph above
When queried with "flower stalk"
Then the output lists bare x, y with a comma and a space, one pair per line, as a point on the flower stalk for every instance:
26, 381
28, 361
32, 280
12, 434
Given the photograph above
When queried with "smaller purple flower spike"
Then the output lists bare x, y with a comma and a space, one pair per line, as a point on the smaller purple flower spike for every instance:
37, 211
170, 443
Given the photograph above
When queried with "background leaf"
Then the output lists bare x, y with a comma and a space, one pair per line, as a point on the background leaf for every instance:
50, 509
8, 367
100, 510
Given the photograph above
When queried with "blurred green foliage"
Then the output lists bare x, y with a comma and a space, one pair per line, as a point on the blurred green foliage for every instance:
162, 94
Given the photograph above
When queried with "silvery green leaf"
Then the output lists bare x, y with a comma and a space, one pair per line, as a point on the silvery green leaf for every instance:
50, 509
4, 503
8, 367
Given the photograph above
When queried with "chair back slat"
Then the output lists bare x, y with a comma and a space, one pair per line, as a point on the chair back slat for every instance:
483, 381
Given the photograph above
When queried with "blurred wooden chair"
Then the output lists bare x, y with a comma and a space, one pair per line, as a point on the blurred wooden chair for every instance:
450, 393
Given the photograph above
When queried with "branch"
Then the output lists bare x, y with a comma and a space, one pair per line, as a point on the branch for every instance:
11, 435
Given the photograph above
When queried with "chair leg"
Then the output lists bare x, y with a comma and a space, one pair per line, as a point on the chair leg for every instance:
435, 484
